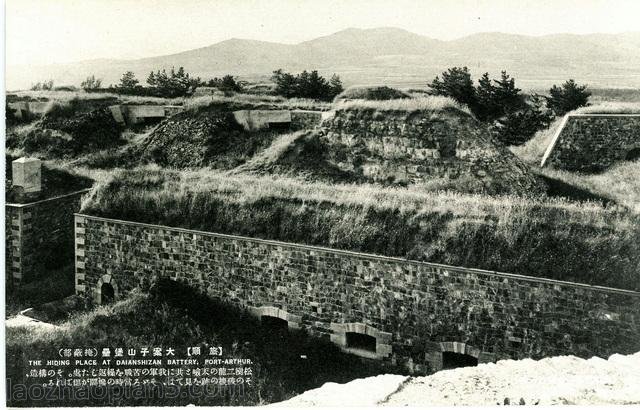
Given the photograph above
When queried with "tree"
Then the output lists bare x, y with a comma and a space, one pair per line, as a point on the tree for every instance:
568, 97
285, 83
496, 98
511, 116
519, 126
128, 81
335, 85
91, 83
306, 85
151, 79
175, 84
456, 83
45, 85
226, 83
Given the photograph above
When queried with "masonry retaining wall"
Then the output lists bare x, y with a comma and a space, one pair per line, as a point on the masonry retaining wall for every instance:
413, 310
594, 142
419, 147
39, 235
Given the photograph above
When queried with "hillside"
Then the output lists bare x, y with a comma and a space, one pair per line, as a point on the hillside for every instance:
384, 55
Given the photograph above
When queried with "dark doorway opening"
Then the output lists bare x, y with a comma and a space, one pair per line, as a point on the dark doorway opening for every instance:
451, 360
633, 155
279, 126
107, 293
274, 324
361, 341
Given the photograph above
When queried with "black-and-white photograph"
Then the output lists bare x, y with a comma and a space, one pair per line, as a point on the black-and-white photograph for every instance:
328, 203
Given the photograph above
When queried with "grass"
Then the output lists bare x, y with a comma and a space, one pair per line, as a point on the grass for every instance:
173, 315
556, 238
532, 151
610, 108
429, 103
300, 155
371, 93
253, 101
58, 283
266, 101
618, 184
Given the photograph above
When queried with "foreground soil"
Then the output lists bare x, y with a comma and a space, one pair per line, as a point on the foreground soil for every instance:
556, 380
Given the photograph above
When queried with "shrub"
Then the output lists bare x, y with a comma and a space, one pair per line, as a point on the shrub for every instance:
371, 93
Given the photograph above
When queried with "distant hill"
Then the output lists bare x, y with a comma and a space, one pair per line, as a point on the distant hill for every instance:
384, 56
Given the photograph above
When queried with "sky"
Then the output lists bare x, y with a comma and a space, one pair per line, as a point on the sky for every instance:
56, 31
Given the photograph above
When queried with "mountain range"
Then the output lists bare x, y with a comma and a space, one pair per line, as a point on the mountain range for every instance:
383, 56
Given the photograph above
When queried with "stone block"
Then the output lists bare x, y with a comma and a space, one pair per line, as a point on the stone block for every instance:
116, 112
340, 340
27, 174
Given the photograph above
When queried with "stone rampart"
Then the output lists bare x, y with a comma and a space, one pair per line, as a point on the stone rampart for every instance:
594, 142
418, 147
410, 311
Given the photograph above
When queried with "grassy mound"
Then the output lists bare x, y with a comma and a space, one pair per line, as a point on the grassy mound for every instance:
371, 93
204, 136
300, 154
67, 130
552, 238
428, 104
173, 315
318, 156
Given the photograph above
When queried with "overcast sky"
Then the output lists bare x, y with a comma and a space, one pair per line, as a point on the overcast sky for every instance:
48, 31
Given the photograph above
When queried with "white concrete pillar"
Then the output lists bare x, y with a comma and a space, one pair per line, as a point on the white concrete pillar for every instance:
27, 174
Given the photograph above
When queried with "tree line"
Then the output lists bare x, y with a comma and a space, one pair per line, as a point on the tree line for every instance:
514, 117
179, 83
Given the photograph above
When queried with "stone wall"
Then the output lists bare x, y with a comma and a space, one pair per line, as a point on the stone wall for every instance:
414, 311
594, 142
403, 147
39, 235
